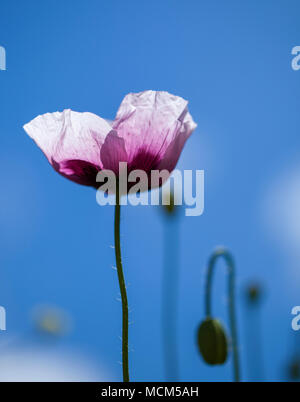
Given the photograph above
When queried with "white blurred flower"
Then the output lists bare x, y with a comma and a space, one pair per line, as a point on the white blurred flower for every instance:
51, 320
282, 211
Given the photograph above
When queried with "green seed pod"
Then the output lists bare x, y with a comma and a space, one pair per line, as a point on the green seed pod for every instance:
212, 342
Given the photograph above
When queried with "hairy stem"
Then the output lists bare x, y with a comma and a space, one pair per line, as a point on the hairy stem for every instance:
125, 364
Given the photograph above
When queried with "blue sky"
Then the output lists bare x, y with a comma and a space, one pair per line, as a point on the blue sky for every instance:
232, 61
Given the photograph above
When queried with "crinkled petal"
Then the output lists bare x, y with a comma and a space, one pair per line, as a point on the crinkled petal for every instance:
173, 151
71, 142
149, 122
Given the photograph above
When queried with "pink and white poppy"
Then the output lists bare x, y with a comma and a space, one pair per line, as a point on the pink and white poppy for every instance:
149, 132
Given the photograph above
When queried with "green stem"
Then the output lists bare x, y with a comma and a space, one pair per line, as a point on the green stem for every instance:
122, 289
170, 299
231, 279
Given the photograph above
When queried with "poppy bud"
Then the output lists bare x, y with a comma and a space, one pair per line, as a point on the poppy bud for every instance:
170, 208
254, 293
294, 370
212, 342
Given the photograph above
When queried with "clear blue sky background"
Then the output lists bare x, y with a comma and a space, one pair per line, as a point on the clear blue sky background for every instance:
232, 61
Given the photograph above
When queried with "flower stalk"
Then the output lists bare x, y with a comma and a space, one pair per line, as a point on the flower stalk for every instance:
221, 252
125, 364
170, 284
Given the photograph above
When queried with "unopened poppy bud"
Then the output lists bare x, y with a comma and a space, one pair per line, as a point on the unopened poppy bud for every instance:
294, 370
212, 342
254, 293
170, 208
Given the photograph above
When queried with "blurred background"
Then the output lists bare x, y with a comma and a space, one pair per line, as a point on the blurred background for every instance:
232, 61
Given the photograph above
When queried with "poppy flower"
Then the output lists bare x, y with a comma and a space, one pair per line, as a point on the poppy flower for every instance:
149, 132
